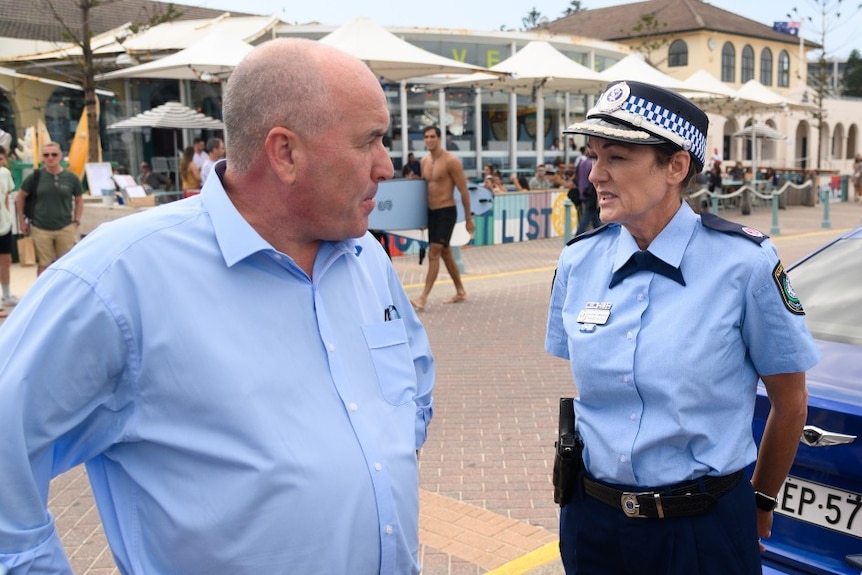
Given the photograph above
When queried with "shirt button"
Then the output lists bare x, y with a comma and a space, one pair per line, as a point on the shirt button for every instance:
633, 416
622, 458
389, 530
626, 379
353, 407
629, 335
377, 467
331, 347
640, 297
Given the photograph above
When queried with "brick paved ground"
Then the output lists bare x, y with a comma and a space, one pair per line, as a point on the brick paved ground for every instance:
485, 471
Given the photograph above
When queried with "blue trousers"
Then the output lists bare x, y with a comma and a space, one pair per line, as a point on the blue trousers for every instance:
596, 539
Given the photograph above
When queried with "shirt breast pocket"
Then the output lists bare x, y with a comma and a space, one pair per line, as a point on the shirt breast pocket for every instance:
393, 362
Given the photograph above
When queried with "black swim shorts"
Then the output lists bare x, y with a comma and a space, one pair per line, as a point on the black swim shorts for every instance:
441, 222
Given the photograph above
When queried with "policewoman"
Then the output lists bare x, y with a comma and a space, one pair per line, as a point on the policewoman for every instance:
668, 319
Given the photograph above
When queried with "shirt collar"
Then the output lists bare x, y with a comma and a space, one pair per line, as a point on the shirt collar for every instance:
670, 243
236, 238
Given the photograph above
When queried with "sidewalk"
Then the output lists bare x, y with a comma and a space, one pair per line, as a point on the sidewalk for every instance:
486, 496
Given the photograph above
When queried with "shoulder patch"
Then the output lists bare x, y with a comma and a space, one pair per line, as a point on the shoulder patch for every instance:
788, 295
588, 234
713, 222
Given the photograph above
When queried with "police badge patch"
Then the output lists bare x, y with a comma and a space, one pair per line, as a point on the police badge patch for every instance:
791, 300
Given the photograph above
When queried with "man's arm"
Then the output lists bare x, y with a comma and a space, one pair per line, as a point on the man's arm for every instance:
788, 397
20, 198
54, 414
79, 208
513, 177
456, 172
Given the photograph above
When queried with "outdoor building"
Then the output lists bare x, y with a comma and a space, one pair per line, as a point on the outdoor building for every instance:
685, 36
32, 41
482, 124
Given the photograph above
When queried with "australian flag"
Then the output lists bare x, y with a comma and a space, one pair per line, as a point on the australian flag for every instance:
791, 28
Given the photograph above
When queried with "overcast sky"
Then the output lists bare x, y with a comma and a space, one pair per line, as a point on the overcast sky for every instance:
493, 14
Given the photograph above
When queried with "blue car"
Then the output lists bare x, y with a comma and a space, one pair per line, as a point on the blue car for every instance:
818, 521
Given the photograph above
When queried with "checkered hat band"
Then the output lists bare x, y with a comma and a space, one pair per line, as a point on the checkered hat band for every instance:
664, 123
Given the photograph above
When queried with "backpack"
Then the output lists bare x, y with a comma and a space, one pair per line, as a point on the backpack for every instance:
30, 200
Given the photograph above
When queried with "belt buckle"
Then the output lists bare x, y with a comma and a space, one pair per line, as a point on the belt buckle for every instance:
630, 506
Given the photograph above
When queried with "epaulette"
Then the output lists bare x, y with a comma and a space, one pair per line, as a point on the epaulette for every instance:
588, 234
713, 222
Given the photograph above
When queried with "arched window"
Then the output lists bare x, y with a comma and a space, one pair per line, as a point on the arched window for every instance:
747, 64
783, 69
728, 63
677, 54
766, 67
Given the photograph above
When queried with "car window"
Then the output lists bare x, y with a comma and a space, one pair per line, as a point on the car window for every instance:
828, 285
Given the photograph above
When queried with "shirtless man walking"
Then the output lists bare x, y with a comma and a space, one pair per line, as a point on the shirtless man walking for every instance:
443, 172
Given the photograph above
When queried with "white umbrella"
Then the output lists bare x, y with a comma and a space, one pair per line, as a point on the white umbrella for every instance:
635, 67
215, 56
760, 131
389, 56
534, 69
756, 93
755, 131
15, 75
536, 66
171, 116
708, 85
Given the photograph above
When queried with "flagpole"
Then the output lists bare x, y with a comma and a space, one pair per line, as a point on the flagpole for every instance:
801, 53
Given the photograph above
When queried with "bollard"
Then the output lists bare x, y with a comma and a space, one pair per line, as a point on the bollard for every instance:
775, 230
824, 198
567, 221
745, 202
714, 201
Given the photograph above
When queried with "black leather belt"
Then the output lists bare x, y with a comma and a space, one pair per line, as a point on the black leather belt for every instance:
684, 500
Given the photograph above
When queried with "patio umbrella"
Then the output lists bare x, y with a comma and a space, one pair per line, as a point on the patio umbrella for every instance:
214, 57
389, 56
635, 67
708, 92
755, 131
534, 69
536, 66
15, 75
172, 116
760, 131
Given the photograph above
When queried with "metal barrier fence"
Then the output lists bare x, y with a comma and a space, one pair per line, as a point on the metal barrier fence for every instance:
775, 197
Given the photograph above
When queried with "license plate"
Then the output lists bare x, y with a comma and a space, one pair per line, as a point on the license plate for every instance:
821, 505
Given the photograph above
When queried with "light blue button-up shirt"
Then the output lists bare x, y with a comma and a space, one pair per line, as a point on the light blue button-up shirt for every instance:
667, 383
235, 415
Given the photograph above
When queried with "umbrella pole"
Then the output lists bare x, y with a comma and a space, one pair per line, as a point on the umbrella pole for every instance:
177, 174
540, 127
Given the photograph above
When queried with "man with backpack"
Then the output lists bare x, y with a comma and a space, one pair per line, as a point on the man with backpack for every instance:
53, 214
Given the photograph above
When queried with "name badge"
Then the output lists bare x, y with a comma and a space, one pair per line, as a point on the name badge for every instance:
595, 313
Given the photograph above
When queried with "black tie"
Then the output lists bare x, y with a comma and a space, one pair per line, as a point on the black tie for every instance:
646, 261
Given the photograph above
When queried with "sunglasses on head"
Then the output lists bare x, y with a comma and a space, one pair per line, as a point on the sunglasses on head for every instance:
50, 154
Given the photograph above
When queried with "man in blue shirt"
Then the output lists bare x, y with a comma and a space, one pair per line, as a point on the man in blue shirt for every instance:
669, 319
241, 372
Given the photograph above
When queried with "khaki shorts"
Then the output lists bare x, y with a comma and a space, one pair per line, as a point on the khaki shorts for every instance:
51, 245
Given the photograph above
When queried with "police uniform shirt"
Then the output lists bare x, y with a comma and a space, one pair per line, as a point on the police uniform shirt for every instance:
667, 373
